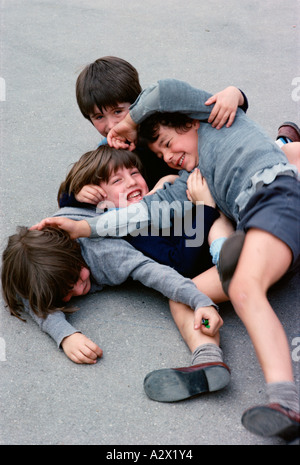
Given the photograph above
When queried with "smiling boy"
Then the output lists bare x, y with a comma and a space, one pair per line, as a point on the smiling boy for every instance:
106, 88
253, 183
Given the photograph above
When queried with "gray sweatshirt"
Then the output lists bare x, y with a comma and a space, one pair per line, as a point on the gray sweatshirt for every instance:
235, 161
112, 261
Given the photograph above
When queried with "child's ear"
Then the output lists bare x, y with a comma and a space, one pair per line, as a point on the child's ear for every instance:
196, 124
102, 205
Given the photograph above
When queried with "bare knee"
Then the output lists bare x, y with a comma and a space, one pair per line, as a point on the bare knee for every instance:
245, 293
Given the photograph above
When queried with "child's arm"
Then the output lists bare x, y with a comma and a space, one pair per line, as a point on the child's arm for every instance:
171, 95
226, 104
75, 228
76, 346
170, 178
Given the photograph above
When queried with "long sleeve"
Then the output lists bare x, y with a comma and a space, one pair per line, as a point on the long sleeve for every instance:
169, 95
159, 207
104, 257
171, 284
55, 325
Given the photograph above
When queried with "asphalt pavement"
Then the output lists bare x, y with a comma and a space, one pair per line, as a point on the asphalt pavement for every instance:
45, 398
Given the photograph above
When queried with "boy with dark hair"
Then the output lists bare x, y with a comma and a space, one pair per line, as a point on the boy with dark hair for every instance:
73, 270
119, 174
252, 183
106, 88
49, 283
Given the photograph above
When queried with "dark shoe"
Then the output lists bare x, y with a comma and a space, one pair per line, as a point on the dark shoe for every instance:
272, 420
229, 257
289, 130
173, 384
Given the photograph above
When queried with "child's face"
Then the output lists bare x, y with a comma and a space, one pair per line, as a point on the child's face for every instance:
178, 148
82, 286
125, 186
106, 119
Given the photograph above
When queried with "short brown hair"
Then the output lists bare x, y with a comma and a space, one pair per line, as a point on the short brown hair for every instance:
40, 266
106, 82
96, 166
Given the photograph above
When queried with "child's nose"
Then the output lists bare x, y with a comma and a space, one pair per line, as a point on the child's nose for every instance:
130, 181
110, 123
167, 155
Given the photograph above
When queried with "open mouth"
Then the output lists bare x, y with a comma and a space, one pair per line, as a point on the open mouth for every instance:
134, 195
181, 159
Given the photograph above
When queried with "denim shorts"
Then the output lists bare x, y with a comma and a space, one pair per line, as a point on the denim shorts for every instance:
275, 208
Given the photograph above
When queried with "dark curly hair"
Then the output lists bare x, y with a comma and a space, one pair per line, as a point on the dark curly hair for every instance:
149, 128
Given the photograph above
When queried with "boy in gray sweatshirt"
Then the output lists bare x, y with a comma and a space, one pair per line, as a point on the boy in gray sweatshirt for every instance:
109, 262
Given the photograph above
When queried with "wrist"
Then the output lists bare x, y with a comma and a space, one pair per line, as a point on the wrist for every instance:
129, 122
84, 229
241, 98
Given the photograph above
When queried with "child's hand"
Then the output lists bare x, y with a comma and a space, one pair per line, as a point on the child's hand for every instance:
226, 103
160, 184
75, 229
80, 349
91, 194
123, 135
214, 320
198, 190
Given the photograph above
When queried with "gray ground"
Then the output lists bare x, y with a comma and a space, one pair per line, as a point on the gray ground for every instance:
45, 398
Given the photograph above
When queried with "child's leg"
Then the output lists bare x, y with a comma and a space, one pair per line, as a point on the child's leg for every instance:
184, 319
209, 283
208, 372
292, 152
263, 261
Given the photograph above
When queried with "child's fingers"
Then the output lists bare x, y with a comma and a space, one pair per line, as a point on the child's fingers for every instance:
88, 354
231, 119
189, 195
207, 320
45, 222
197, 320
